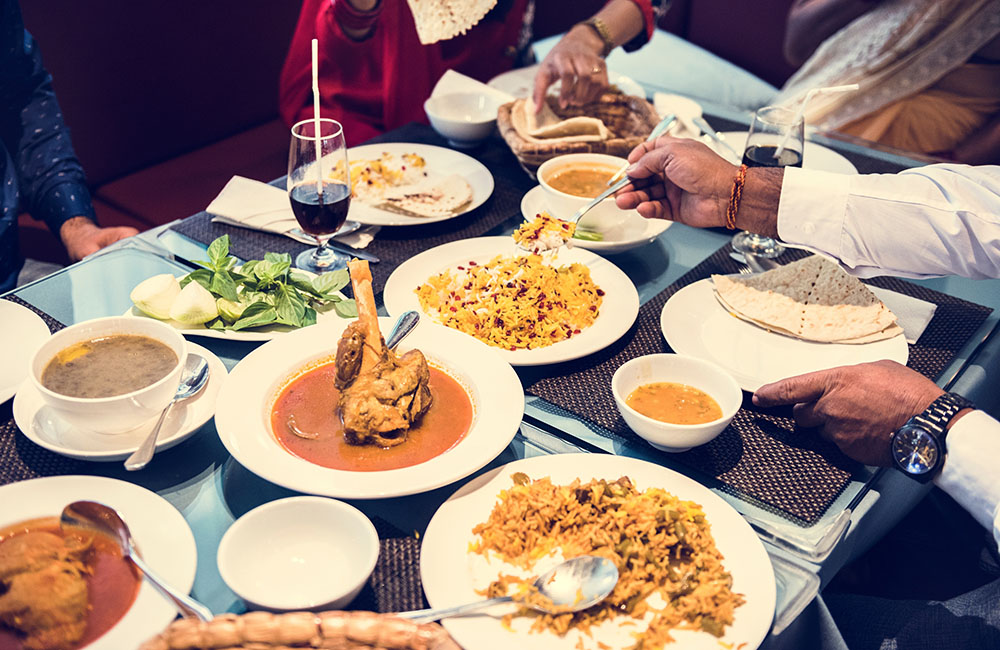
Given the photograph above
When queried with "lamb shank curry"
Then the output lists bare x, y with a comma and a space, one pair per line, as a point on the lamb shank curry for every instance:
370, 409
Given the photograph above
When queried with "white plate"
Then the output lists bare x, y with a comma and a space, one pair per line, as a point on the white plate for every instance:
45, 428
448, 580
441, 162
815, 156
162, 536
520, 82
617, 313
22, 331
694, 323
623, 233
243, 414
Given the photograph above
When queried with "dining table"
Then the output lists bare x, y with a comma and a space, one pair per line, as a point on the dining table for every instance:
807, 543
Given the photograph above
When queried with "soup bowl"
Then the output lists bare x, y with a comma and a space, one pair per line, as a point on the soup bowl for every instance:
119, 413
465, 119
674, 368
562, 204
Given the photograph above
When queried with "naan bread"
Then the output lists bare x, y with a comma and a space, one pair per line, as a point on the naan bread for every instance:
546, 126
440, 198
439, 20
811, 299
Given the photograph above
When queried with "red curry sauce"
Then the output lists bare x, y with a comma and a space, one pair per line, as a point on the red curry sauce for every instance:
112, 583
312, 399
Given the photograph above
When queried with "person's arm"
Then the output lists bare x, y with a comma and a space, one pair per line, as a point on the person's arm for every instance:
577, 60
810, 22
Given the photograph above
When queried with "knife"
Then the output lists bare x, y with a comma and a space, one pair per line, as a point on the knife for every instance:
712, 133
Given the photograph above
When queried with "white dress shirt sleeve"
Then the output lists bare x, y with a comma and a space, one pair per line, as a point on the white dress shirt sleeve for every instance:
927, 221
970, 474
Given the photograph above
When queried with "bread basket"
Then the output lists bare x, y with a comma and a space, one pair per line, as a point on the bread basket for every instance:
630, 120
266, 631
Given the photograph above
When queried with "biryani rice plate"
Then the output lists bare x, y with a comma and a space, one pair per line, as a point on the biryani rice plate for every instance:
514, 303
671, 573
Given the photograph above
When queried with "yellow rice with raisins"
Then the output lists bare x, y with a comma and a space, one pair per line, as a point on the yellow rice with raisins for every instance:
662, 546
514, 303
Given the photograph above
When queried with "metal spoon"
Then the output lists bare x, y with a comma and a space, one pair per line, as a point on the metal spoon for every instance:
404, 325
577, 584
193, 379
99, 517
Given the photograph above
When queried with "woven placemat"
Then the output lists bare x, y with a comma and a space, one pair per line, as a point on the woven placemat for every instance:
21, 459
760, 455
395, 584
396, 244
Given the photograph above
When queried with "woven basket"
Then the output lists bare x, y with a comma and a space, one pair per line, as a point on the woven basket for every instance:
629, 119
266, 631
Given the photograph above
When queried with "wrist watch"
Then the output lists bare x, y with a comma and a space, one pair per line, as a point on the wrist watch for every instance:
918, 446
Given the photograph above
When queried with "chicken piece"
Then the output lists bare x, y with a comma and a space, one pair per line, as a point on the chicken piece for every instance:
46, 590
381, 395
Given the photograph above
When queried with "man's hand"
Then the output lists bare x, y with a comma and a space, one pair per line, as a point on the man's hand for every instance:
81, 236
857, 407
678, 179
576, 62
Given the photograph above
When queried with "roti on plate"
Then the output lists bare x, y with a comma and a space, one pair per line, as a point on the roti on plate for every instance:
811, 299
430, 199
439, 20
546, 126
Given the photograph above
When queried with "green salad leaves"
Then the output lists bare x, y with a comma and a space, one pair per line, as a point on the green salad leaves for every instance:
267, 291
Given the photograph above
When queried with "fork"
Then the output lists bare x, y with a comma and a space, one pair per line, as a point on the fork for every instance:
746, 270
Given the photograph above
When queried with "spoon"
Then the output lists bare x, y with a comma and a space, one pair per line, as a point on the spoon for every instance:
577, 584
102, 518
404, 325
193, 379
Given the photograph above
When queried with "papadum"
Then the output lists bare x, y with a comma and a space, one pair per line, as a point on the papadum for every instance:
439, 20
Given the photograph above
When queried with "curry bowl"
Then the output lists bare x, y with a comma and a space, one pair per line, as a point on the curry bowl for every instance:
572, 180
465, 119
253, 427
299, 553
117, 413
676, 369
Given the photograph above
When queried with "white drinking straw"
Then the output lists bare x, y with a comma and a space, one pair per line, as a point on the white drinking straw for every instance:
316, 123
802, 110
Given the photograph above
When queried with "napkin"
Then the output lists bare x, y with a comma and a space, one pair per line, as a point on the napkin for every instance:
684, 108
456, 82
912, 314
251, 204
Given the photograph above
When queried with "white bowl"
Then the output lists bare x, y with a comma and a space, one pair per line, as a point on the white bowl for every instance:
119, 413
299, 553
562, 205
465, 119
700, 374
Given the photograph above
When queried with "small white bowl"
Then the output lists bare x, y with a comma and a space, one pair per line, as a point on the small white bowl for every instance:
562, 205
703, 375
465, 119
119, 413
299, 553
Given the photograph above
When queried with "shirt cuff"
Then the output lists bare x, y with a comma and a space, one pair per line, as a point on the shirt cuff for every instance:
969, 474
812, 208
63, 202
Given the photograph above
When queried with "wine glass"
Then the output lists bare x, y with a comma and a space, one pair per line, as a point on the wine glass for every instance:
772, 126
320, 214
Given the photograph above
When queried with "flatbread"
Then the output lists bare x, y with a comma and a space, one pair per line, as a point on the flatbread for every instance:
811, 299
439, 20
433, 199
546, 126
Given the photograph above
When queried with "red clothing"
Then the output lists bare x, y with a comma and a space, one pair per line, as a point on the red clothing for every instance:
381, 83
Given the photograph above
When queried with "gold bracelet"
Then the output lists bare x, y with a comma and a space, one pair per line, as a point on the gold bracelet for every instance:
603, 32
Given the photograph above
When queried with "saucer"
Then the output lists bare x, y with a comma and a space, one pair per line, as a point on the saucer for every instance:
625, 233
23, 331
45, 428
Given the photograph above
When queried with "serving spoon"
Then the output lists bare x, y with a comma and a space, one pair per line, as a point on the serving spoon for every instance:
575, 584
193, 379
105, 519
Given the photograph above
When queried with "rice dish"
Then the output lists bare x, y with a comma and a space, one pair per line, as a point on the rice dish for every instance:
514, 303
371, 178
671, 573
544, 233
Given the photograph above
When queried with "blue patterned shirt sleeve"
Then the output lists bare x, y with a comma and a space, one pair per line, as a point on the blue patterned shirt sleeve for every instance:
50, 180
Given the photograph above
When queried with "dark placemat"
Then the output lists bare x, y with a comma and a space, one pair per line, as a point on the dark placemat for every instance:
395, 584
21, 459
760, 455
395, 244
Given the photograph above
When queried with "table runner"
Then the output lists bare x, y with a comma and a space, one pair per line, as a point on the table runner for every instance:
395, 244
761, 455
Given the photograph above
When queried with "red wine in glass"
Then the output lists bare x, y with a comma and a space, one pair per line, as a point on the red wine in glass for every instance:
320, 214
763, 156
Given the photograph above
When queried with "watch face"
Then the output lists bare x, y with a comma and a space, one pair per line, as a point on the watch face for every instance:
915, 450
